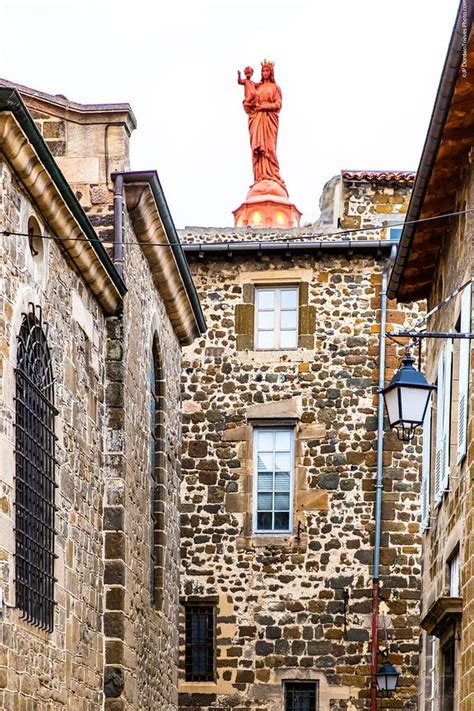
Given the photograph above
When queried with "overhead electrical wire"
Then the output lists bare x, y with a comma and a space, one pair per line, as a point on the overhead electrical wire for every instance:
316, 235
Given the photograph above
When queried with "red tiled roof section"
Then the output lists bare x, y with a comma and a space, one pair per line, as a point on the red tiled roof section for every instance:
381, 176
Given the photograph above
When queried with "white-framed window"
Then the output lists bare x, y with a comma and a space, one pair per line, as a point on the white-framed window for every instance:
443, 423
431, 680
454, 575
276, 317
273, 479
426, 470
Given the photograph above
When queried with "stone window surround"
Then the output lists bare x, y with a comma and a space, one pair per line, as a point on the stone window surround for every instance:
224, 634
283, 426
274, 689
280, 413
245, 313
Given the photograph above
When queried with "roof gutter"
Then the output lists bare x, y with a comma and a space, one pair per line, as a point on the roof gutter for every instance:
11, 101
151, 177
430, 150
251, 247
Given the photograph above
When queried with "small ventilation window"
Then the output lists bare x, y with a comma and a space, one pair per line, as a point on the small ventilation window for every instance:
200, 642
300, 696
35, 239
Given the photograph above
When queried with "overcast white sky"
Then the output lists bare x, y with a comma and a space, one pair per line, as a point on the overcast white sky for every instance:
358, 78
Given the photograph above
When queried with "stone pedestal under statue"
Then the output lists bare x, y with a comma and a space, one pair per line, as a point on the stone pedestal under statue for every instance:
267, 205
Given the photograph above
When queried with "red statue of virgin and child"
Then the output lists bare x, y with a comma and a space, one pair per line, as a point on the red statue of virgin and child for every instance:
267, 203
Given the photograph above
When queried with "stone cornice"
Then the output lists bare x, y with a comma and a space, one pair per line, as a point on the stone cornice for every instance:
443, 613
73, 111
46, 194
167, 276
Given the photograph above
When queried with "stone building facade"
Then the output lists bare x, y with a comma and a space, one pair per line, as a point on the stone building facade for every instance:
435, 262
276, 607
118, 311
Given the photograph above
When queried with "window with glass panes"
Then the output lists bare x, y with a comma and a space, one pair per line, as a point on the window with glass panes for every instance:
276, 317
273, 480
454, 578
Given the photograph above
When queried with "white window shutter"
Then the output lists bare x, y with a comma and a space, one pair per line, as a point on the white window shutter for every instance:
464, 373
438, 491
448, 359
425, 470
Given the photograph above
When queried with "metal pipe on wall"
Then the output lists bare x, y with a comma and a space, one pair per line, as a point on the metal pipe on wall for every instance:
379, 483
118, 223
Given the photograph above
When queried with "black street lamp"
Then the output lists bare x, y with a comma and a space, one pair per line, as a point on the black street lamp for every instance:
387, 679
406, 399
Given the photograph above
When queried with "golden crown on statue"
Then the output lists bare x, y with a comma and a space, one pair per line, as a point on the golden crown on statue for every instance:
267, 63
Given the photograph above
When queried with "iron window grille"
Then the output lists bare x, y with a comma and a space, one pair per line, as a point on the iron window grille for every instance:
200, 643
34, 473
158, 486
300, 696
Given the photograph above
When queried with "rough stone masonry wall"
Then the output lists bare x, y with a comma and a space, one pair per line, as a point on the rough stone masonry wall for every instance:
40, 670
368, 203
87, 153
141, 637
451, 523
103, 393
280, 608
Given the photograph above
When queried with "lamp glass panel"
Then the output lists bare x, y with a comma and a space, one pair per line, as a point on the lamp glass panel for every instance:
391, 682
413, 403
391, 402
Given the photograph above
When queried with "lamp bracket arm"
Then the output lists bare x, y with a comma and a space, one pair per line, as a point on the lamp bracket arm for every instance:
416, 335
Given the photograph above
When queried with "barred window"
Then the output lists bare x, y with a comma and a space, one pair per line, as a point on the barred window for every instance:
34, 473
300, 696
158, 477
200, 642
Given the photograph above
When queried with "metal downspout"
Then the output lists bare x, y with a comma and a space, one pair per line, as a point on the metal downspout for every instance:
118, 223
379, 482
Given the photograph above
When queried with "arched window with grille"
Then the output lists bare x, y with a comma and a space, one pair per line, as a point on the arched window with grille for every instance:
158, 476
34, 472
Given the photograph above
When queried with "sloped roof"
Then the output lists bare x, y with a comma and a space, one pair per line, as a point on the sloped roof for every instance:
441, 170
380, 176
31, 159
